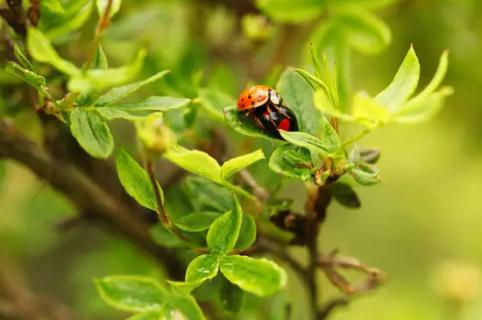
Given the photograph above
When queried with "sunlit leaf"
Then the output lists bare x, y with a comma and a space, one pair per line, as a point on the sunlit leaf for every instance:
202, 268
369, 112
403, 85
42, 50
247, 234
261, 277
33, 79
195, 161
306, 140
131, 293
242, 124
291, 11
234, 165
291, 161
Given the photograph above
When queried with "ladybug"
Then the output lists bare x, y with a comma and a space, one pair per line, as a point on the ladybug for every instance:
264, 107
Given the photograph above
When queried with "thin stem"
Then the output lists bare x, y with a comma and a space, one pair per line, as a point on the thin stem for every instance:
261, 193
102, 24
161, 210
356, 137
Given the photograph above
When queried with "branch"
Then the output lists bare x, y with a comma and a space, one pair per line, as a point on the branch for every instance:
83, 192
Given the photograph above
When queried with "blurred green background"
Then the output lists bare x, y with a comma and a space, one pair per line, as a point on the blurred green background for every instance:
422, 225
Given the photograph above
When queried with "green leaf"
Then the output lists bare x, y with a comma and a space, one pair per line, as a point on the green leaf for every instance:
239, 122
298, 96
202, 268
261, 277
141, 109
224, 232
345, 195
428, 102
196, 221
330, 137
231, 297
22, 59
403, 85
102, 7
33, 79
291, 161
3, 172
135, 180
195, 161
100, 79
182, 287
149, 315
182, 307
365, 175
164, 238
323, 103
369, 4
214, 101
421, 110
131, 293
306, 140
91, 132
368, 112
42, 50
100, 59
206, 195
76, 13
354, 26
247, 234
52, 7
291, 11
118, 93
234, 165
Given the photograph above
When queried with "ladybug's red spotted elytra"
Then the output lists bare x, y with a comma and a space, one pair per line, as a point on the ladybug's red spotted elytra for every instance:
264, 107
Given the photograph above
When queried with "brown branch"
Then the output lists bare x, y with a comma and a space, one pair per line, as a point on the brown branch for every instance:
83, 192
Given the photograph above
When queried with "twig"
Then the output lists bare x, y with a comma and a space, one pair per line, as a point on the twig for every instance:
261, 193
102, 24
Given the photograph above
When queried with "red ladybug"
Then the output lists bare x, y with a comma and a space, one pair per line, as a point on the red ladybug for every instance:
264, 107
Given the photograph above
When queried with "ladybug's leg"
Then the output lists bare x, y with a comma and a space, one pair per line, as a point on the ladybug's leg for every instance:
280, 110
256, 120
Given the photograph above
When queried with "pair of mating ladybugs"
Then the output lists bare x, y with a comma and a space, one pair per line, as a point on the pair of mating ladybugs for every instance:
264, 107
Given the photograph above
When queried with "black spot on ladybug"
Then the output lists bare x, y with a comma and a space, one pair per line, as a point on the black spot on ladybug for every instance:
249, 96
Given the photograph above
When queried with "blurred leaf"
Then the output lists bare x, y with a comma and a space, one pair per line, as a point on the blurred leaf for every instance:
247, 233
42, 50
131, 293
149, 315
22, 59
100, 59
182, 287
33, 79
234, 165
330, 137
291, 11
353, 26
214, 101
261, 277
196, 221
307, 141
164, 238
91, 132
102, 7
291, 161
195, 161
135, 180
202, 268
428, 102
3, 172
182, 307
345, 195
365, 175
298, 96
239, 122
76, 13
421, 110
323, 103
52, 7
118, 93
224, 232
141, 109
100, 79
403, 85
231, 297
368, 112
369, 155
369, 4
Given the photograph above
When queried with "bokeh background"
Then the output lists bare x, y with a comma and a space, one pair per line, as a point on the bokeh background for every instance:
422, 225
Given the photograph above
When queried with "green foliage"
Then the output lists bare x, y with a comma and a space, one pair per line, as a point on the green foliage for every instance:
135, 180
202, 268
